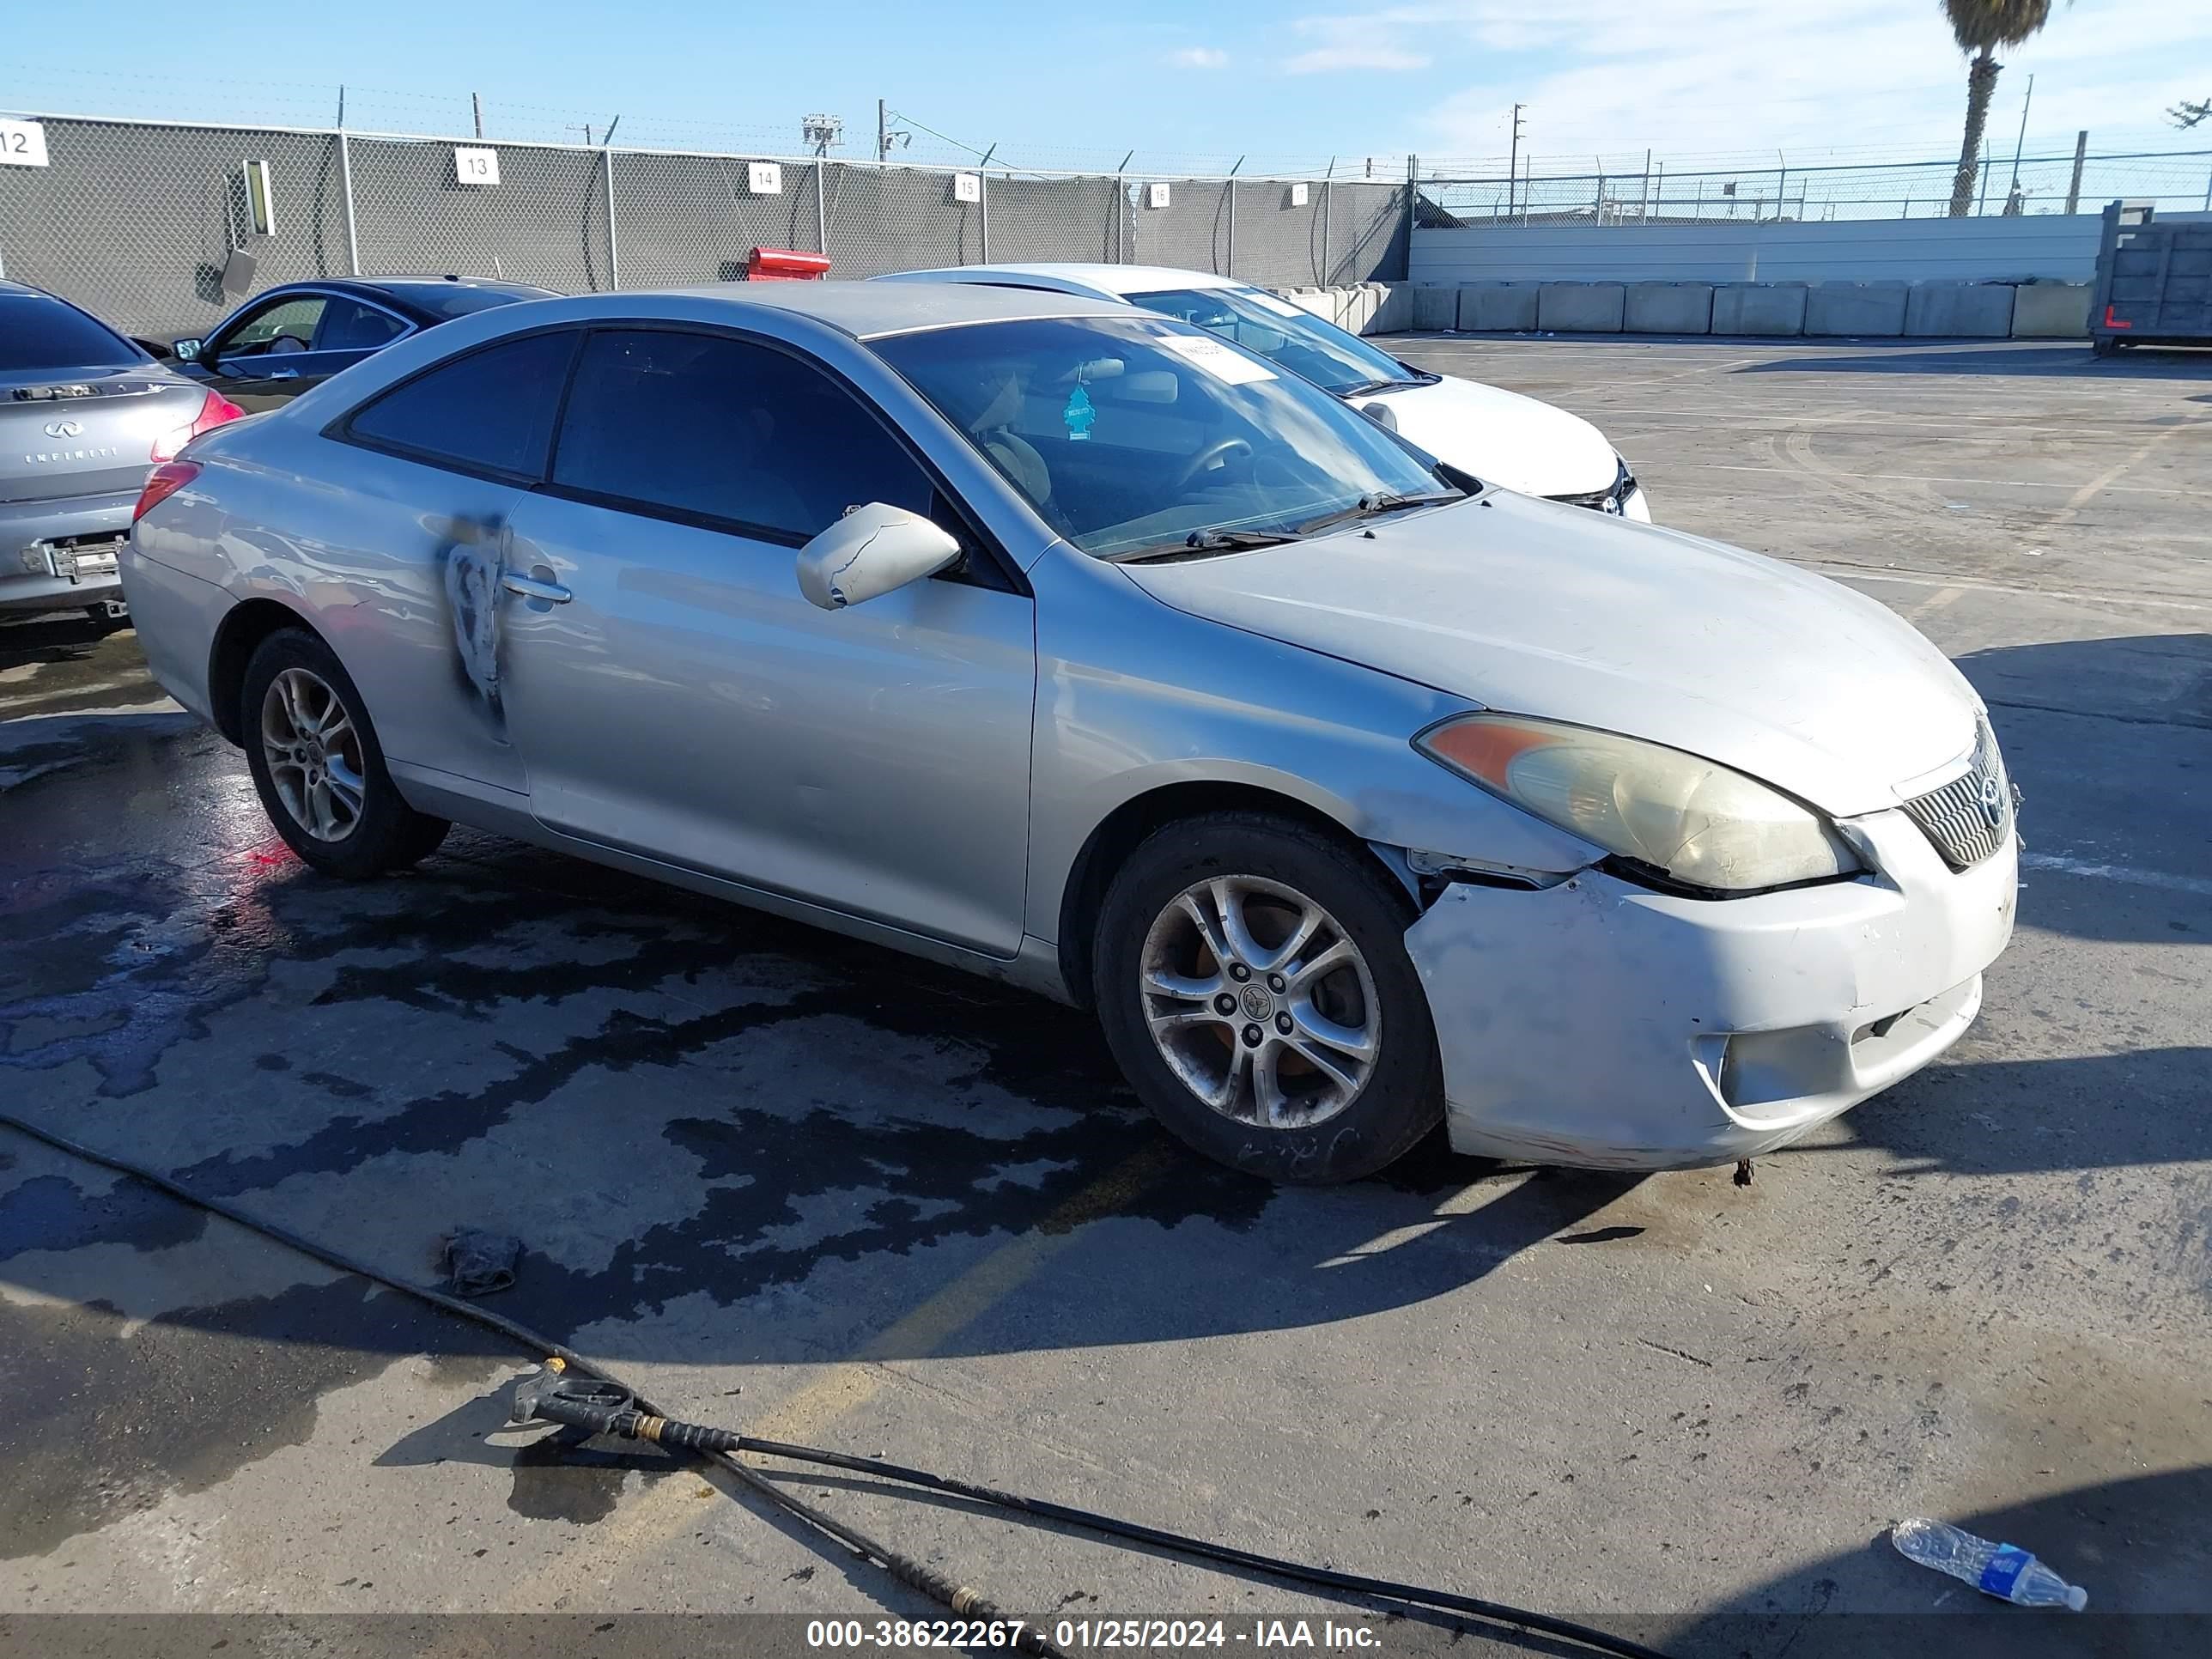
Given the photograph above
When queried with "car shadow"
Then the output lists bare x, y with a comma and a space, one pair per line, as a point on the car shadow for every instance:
2006, 359
2110, 742
744, 1137
2079, 1114
2137, 1546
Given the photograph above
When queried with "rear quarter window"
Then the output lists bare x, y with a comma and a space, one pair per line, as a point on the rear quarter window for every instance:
488, 411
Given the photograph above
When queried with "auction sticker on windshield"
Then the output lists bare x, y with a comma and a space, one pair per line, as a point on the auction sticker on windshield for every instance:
1217, 359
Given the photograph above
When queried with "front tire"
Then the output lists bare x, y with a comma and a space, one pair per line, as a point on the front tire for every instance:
1252, 979
318, 768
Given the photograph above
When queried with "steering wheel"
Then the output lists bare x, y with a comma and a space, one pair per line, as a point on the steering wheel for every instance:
1214, 454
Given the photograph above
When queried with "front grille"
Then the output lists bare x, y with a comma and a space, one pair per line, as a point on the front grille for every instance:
1969, 817
1613, 498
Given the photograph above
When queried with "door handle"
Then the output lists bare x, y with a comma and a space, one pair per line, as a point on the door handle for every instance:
284, 374
532, 588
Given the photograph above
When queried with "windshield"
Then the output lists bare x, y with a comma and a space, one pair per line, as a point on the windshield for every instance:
38, 333
1140, 435
1284, 334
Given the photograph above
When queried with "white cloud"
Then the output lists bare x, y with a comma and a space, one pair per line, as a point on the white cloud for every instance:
1205, 57
1744, 77
1375, 40
1321, 60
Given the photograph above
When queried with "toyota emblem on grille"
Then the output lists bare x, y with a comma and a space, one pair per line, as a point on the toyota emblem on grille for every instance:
63, 428
1992, 799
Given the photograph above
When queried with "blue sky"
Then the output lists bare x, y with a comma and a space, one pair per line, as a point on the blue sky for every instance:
1072, 85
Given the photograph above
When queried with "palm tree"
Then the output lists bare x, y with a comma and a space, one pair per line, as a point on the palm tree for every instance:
1981, 27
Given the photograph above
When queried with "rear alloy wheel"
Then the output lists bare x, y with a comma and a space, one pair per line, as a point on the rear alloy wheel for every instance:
313, 755
317, 765
1252, 979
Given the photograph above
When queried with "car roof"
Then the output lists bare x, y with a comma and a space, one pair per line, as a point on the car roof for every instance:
438, 284
1116, 281
868, 311
415, 293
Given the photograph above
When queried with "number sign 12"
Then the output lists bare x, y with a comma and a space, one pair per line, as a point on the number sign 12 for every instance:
23, 144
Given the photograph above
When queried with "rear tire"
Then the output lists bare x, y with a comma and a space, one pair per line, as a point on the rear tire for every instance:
318, 768
1252, 980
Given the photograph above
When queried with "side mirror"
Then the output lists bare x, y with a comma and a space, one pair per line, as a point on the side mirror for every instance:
186, 351
872, 550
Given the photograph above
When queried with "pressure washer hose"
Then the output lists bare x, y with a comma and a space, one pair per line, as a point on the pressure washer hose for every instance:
640, 1419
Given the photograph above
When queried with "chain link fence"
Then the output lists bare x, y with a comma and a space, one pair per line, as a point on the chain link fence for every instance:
138, 220
2174, 181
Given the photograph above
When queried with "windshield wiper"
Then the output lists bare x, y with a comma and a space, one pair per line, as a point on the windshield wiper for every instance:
1366, 387
1369, 506
1199, 543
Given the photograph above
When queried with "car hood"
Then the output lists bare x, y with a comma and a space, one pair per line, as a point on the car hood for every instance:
1532, 608
1502, 437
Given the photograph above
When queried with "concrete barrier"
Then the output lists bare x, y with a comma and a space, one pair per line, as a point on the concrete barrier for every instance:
1581, 307
1497, 308
1358, 307
1436, 308
1393, 312
2051, 311
1760, 310
1957, 311
1667, 309
1862, 310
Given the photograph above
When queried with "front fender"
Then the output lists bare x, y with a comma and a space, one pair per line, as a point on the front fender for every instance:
1134, 696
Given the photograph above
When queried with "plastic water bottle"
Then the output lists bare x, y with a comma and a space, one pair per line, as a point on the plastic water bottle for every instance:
1999, 1569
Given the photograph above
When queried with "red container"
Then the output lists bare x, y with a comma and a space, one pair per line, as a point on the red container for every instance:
785, 265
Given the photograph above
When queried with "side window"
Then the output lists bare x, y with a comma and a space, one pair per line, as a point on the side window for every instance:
284, 326
704, 424
489, 412
349, 325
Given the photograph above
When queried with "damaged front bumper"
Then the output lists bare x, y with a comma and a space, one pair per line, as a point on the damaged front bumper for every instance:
1600, 1023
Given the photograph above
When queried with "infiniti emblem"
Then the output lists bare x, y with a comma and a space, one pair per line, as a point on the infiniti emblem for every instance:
63, 428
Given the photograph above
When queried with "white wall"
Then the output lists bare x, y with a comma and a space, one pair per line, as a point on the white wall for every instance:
1993, 249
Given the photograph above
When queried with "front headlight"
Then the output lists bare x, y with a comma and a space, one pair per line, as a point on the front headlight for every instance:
1624, 483
1690, 820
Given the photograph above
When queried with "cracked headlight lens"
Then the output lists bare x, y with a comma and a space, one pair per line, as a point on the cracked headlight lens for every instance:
1675, 816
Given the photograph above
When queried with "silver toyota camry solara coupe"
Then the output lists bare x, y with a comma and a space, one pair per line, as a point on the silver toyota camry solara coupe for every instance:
1080, 647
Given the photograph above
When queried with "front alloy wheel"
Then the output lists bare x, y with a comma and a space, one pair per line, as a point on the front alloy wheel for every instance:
1252, 979
1260, 1002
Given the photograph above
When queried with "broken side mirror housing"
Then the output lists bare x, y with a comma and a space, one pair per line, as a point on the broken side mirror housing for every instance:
870, 551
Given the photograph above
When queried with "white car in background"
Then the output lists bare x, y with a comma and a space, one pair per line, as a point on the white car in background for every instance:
1501, 437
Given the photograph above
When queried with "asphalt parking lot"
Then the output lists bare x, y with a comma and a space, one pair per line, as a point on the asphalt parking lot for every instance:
821, 1193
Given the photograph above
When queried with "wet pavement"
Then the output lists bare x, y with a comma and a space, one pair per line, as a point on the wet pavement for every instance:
817, 1191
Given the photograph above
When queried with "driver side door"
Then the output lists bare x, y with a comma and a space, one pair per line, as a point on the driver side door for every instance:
673, 695
277, 348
